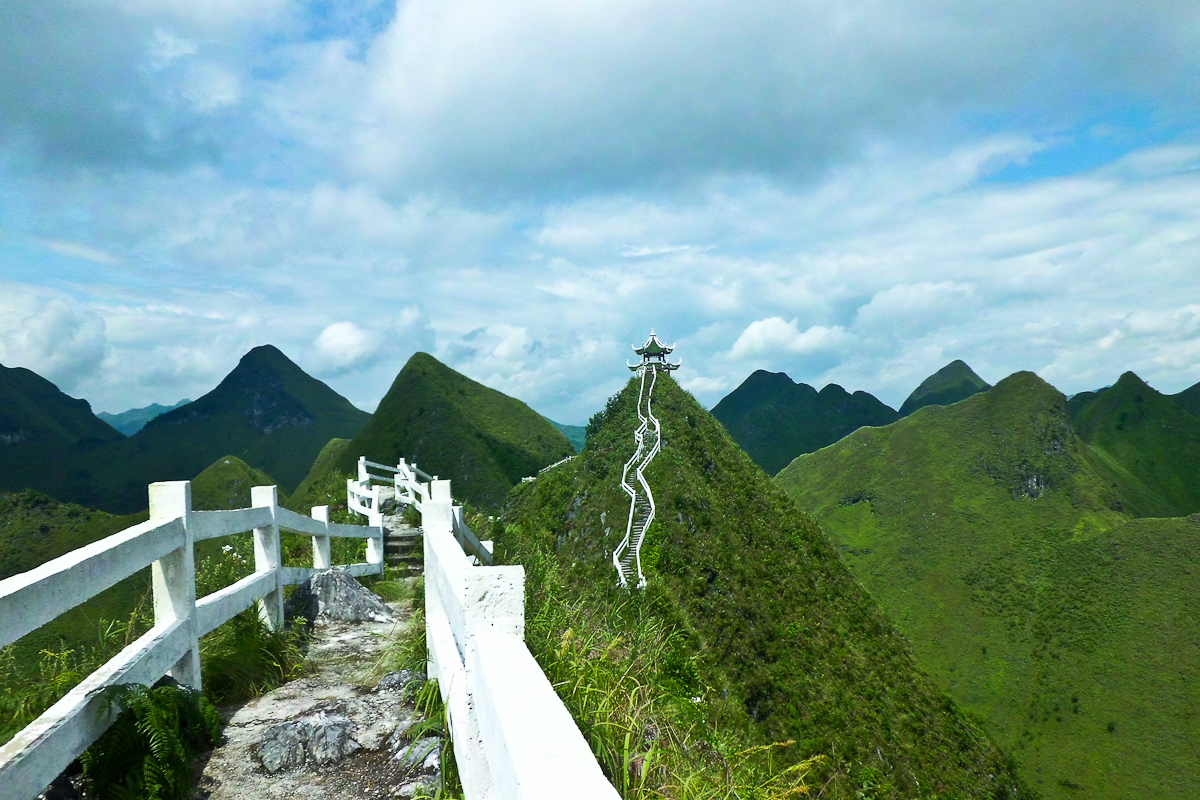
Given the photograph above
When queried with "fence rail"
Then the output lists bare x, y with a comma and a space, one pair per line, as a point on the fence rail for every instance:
164, 543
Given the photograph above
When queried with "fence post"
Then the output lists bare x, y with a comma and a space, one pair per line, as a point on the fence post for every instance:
266, 556
375, 520
174, 576
321, 557
362, 468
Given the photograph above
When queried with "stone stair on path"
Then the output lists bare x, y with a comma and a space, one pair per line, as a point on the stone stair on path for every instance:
403, 546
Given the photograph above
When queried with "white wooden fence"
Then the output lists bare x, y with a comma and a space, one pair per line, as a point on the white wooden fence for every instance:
513, 738
165, 543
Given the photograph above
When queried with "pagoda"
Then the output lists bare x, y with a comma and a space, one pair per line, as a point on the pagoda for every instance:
627, 557
654, 355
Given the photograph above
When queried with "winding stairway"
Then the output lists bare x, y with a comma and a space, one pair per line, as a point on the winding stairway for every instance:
627, 557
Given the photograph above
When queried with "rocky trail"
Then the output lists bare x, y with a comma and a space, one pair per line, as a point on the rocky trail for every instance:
330, 734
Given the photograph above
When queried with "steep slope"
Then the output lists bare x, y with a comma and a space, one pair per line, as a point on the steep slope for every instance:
1189, 399
456, 428
268, 412
226, 484
315, 488
41, 431
950, 384
1148, 442
131, 421
777, 641
995, 539
575, 433
774, 419
32, 409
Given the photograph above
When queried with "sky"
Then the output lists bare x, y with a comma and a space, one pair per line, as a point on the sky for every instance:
855, 192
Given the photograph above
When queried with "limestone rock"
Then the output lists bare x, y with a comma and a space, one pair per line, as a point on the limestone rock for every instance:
334, 594
396, 681
316, 739
424, 756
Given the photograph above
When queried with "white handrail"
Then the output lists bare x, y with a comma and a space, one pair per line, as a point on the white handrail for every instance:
32, 759
642, 458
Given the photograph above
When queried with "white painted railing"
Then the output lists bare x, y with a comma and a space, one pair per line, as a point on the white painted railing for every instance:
36, 755
513, 738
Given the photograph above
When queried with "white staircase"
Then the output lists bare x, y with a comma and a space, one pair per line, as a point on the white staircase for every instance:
627, 557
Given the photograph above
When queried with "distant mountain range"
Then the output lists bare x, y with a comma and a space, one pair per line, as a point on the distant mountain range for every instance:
775, 419
1002, 535
267, 411
131, 421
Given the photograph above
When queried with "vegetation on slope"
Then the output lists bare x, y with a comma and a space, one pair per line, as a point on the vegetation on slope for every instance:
268, 412
322, 480
1150, 444
575, 433
455, 428
996, 540
774, 420
751, 630
226, 483
41, 432
950, 384
1189, 399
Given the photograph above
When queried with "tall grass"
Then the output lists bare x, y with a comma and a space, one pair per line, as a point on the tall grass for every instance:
618, 670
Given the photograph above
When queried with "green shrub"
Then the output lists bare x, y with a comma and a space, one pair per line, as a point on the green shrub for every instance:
147, 752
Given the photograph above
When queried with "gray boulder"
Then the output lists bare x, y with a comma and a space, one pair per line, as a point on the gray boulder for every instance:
317, 739
341, 597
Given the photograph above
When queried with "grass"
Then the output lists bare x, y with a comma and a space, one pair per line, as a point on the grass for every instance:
456, 428
750, 634
1000, 543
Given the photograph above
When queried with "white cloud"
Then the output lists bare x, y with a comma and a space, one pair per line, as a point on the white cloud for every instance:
774, 335
59, 341
344, 345
76, 250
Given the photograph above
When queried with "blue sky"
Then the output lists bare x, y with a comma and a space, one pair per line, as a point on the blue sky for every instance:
848, 192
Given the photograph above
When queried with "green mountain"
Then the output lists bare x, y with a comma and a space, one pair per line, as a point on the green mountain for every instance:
1000, 543
1148, 442
774, 640
455, 428
42, 431
950, 384
267, 412
131, 421
774, 419
575, 433
227, 483
1189, 399
32, 409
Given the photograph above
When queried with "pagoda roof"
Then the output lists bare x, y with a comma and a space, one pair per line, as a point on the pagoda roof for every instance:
653, 347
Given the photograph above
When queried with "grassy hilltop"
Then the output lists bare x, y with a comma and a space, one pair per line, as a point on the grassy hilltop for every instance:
950, 384
1149, 444
1001, 543
772, 638
452, 427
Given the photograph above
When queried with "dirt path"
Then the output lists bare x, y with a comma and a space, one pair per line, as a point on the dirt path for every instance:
324, 736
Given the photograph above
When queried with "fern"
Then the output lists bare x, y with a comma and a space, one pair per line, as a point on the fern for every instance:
147, 752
